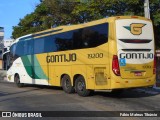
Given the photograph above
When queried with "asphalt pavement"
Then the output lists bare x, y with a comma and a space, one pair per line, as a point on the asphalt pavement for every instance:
43, 98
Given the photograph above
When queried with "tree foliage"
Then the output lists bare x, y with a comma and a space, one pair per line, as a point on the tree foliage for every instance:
51, 13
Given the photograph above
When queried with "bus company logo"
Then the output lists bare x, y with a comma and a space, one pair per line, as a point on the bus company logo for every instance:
6, 114
135, 28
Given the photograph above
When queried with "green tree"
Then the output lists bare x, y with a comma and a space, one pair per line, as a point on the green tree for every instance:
155, 16
34, 22
47, 14
50, 13
60, 11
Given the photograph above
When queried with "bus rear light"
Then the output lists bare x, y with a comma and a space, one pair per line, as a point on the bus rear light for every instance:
115, 65
154, 65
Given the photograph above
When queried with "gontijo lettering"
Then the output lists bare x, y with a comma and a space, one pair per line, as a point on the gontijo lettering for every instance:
137, 55
61, 58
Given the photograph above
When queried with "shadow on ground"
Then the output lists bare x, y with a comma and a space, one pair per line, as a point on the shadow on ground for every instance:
128, 93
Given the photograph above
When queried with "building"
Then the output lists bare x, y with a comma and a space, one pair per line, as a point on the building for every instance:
7, 42
1, 44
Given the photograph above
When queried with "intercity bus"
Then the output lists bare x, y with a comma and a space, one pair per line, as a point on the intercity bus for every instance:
113, 53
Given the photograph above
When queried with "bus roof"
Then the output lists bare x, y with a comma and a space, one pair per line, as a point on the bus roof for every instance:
66, 28
61, 29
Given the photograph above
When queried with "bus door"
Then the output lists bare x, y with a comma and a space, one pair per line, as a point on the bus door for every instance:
135, 48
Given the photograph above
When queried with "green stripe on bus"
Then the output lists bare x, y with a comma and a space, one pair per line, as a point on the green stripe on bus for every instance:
35, 72
38, 69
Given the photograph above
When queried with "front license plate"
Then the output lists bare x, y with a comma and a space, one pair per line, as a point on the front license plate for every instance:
138, 74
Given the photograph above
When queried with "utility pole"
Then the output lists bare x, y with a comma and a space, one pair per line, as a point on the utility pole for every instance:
146, 9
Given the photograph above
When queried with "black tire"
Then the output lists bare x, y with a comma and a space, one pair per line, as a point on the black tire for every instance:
80, 86
17, 81
66, 84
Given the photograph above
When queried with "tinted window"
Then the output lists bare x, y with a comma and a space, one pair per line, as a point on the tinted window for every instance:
76, 39
13, 49
20, 48
64, 41
90, 37
39, 45
28, 47
49, 44
12, 54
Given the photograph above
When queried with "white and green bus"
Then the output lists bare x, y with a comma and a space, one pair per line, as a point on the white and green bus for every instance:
109, 54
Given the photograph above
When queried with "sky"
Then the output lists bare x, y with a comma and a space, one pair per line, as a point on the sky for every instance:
11, 11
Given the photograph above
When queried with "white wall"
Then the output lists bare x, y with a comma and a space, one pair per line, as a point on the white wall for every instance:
7, 42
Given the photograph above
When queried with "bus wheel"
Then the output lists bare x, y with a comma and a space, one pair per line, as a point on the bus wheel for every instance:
17, 81
66, 84
81, 87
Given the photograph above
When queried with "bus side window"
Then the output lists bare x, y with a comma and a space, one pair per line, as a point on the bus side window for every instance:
19, 49
63, 41
12, 54
95, 35
90, 36
50, 45
38, 45
28, 47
